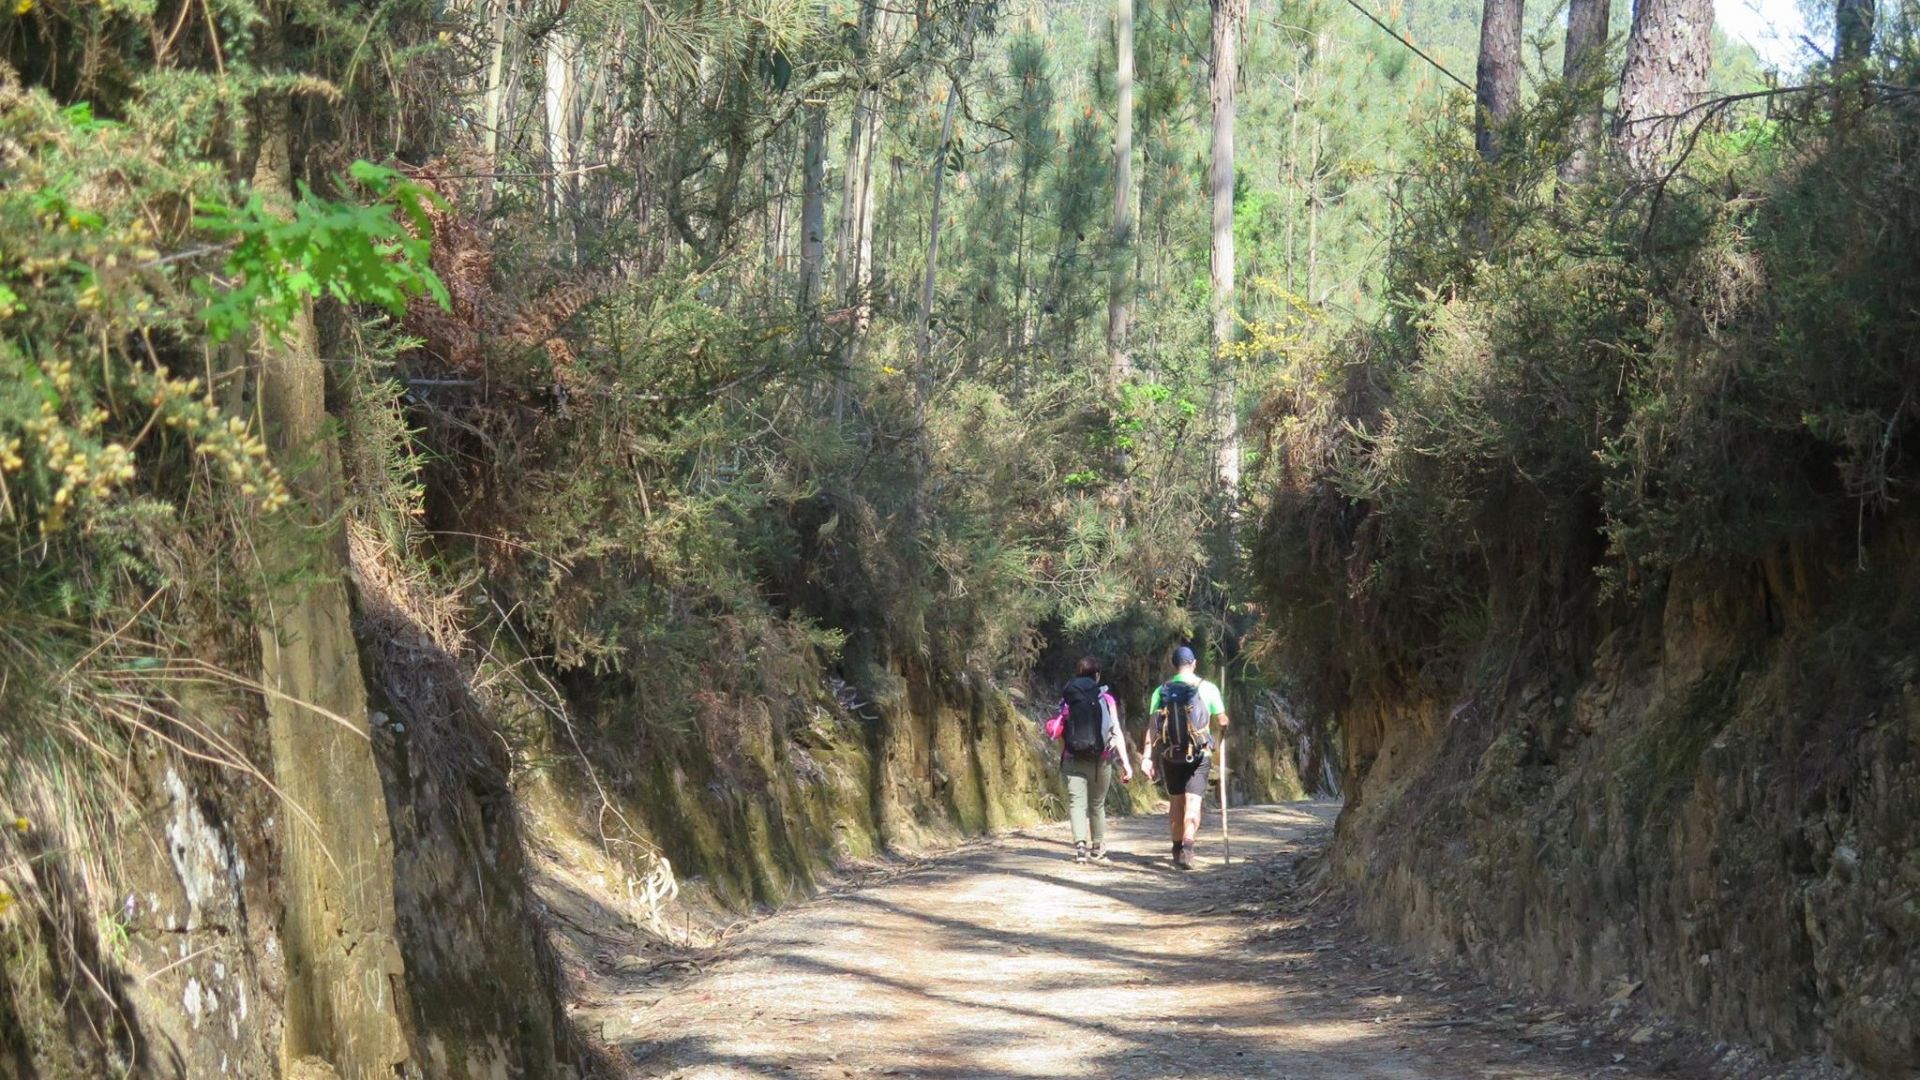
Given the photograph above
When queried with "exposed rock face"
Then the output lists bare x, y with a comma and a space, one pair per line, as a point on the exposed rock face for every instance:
482, 986
1717, 800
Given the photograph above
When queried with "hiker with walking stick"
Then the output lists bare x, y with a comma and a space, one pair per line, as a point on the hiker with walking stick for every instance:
1180, 723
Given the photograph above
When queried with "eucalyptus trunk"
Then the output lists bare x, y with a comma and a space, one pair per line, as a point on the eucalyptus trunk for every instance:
923, 336
1120, 286
856, 190
494, 112
1313, 216
923, 369
1291, 185
562, 90
1019, 322
1143, 249
1227, 16
860, 289
856, 214
813, 220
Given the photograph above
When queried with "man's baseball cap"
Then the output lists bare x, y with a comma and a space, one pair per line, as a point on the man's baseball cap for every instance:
1182, 656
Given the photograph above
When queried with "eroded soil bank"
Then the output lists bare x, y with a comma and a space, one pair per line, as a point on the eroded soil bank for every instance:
1710, 792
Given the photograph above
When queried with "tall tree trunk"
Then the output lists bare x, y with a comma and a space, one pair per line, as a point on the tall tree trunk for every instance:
1020, 267
1292, 184
494, 113
853, 186
1852, 44
923, 370
1497, 89
345, 979
857, 183
1316, 144
1120, 287
644, 115
889, 213
923, 336
1668, 58
1162, 228
862, 284
855, 239
770, 222
813, 219
1148, 197
1227, 15
1585, 64
1313, 217
561, 91
857, 244
1852, 31
590, 137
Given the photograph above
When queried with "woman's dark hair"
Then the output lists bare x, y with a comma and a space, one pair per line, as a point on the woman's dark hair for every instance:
1088, 666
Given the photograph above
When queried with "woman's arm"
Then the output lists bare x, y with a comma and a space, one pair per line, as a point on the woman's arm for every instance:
1153, 733
1116, 733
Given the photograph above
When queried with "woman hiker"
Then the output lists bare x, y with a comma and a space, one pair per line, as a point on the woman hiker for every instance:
1091, 740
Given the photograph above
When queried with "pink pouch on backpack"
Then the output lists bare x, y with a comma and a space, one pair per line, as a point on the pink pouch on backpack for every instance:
1057, 726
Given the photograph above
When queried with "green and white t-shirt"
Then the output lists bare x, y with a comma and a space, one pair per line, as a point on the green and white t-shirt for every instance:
1209, 697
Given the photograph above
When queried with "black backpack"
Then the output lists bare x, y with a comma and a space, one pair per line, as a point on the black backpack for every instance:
1183, 722
1084, 719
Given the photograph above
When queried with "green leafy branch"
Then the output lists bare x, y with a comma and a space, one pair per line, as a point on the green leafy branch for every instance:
357, 254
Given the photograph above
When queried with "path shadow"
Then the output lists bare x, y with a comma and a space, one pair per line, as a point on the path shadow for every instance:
934, 976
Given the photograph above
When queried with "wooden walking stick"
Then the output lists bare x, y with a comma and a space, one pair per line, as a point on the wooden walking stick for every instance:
1226, 844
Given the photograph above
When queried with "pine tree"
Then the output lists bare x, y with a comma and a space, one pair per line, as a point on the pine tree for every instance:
1497, 85
1582, 69
1669, 56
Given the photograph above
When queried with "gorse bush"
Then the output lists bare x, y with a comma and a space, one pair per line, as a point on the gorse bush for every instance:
93, 311
1630, 376
1778, 398
112, 406
133, 475
699, 481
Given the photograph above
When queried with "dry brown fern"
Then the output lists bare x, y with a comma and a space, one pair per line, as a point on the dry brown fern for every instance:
481, 320
535, 322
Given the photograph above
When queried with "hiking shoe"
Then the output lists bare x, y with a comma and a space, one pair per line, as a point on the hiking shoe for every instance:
1098, 855
1184, 858
1080, 851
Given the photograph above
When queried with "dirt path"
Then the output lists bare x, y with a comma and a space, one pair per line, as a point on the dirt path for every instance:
1005, 959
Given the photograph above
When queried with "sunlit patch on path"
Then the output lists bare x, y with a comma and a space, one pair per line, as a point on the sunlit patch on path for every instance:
1008, 960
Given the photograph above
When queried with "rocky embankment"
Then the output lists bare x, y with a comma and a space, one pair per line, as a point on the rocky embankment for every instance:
457, 823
